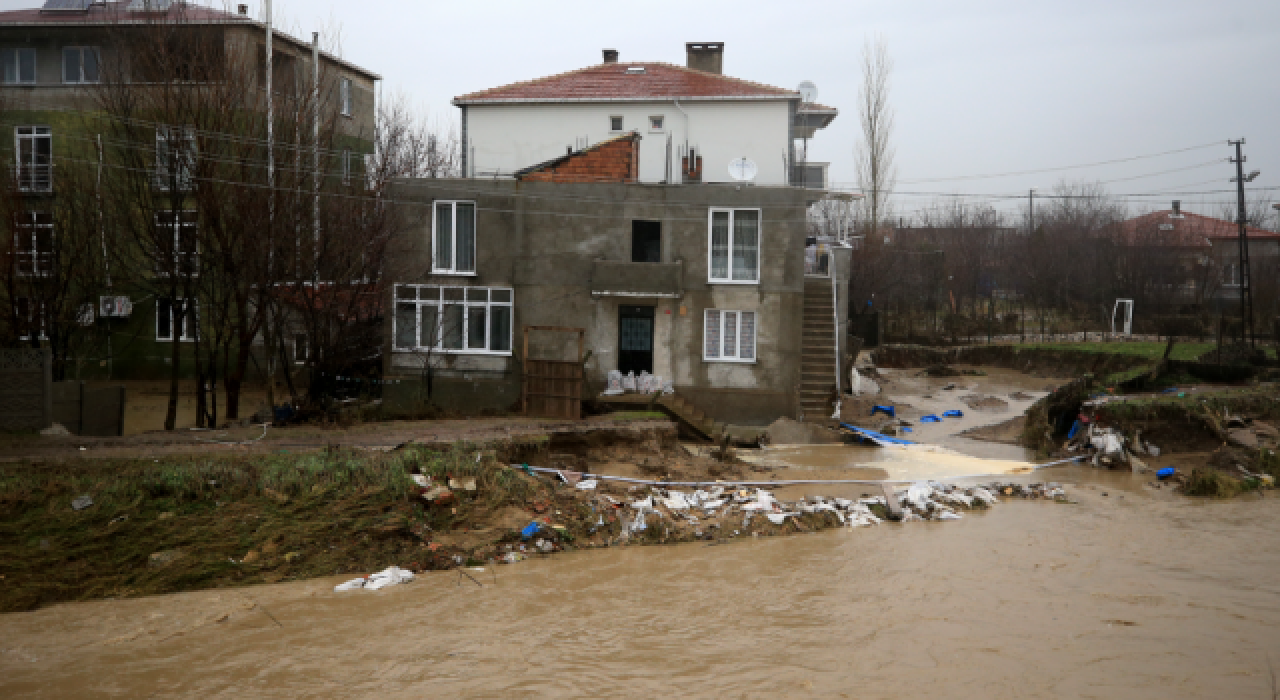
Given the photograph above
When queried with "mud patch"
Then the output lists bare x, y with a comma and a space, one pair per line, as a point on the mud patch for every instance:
979, 402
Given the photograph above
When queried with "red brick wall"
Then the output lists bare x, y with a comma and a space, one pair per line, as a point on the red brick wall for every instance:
612, 161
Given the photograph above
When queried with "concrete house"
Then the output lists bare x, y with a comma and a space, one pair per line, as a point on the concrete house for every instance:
669, 268
691, 121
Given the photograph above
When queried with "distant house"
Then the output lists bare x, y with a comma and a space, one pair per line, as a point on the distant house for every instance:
1205, 250
689, 121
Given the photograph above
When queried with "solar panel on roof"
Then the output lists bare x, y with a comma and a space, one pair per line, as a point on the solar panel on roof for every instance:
66, 5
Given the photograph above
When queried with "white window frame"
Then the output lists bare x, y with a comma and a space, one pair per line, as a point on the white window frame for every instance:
178, 224
27, 226
344, 90
13, 57
452, 268
31, 181
80, 52
186, 160
622, 123
722, 320
346, 166
711, 278
662, 123
190, 321
431, 295
35, 313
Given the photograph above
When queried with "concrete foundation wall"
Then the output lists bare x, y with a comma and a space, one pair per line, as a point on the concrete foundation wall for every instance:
544, 240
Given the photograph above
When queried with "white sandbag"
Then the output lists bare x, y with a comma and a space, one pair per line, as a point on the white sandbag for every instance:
390, 576
614, 386
629, 381
349, 585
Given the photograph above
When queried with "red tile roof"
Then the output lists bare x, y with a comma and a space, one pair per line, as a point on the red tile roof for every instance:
1186, 231
611, 82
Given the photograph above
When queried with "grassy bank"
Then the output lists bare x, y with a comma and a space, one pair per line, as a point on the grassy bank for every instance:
1150, 351
186, 523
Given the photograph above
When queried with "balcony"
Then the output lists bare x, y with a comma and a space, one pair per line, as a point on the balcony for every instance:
35, 178
636, 279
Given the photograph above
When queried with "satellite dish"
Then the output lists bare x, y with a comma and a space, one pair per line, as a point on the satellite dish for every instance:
743, 169
808, 91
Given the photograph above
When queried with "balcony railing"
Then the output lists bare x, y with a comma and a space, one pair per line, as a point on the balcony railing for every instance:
34, 178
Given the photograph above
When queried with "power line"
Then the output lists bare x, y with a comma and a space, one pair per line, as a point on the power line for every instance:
1064, 167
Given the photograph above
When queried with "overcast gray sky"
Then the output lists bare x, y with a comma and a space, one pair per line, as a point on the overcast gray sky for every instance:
979, 88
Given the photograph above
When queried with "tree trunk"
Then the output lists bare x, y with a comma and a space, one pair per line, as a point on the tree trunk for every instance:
171, 413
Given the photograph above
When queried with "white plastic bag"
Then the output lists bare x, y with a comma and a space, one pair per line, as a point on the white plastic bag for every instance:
615, 383
629, 381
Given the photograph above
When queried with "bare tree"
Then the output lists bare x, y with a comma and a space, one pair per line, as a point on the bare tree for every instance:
874, 155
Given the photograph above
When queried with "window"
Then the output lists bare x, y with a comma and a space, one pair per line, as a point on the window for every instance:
729, 336
175, 157
177, 236
79, 64
33, 244
30, 315
34, 146
655, 123
19, 66
615, 123
345, 96
300, 354
469, 320
646, 241
735, 246
454, 226
1231, 275
180, 315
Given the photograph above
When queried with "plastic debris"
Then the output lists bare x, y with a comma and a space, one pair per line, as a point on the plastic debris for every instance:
887, 410
953, 414
82, 502
390, 576
420, 480
930, 418
586, 484
1165, 473
530, 530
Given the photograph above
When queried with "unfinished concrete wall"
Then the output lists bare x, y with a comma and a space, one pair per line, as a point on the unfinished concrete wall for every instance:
549, 242
27, 376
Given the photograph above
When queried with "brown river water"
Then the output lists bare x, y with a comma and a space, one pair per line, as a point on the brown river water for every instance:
1129, 592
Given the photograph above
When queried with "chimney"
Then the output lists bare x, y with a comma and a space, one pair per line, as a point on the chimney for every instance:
1177, 207
705, 56
610, 55
243, 9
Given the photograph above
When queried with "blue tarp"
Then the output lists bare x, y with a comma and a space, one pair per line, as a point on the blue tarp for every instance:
952, 414
887, 410
930, 419
878, 438
1075, 428
531, 530
1165, 473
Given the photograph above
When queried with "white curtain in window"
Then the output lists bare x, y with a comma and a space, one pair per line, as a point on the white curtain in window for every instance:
746, 242
711, 338
466, 242
720, 245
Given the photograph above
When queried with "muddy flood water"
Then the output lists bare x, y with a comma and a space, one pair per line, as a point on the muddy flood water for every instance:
1130, 591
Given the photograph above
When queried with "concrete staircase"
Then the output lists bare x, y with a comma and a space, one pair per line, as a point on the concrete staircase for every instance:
817, 350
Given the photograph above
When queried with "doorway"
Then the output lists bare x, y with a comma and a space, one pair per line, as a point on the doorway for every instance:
635, 339
646, 241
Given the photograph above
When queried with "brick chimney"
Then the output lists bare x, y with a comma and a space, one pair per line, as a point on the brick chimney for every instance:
705, 56
610, 55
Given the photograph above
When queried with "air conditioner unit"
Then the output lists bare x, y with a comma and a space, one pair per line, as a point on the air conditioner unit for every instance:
115, 307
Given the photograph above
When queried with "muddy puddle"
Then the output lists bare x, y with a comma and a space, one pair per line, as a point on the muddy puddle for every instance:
1129, 592
944, 451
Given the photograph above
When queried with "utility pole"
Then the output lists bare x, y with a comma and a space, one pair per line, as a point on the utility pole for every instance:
315, 155
1246, 291
1031, 208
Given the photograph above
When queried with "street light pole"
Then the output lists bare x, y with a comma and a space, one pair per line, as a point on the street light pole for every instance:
1246, 291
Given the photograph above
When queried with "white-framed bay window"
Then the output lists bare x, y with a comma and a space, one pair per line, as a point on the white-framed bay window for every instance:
463, 320
729, 336
733, 246
453, 248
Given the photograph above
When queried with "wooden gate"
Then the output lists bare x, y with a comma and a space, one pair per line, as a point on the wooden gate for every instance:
552, 388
